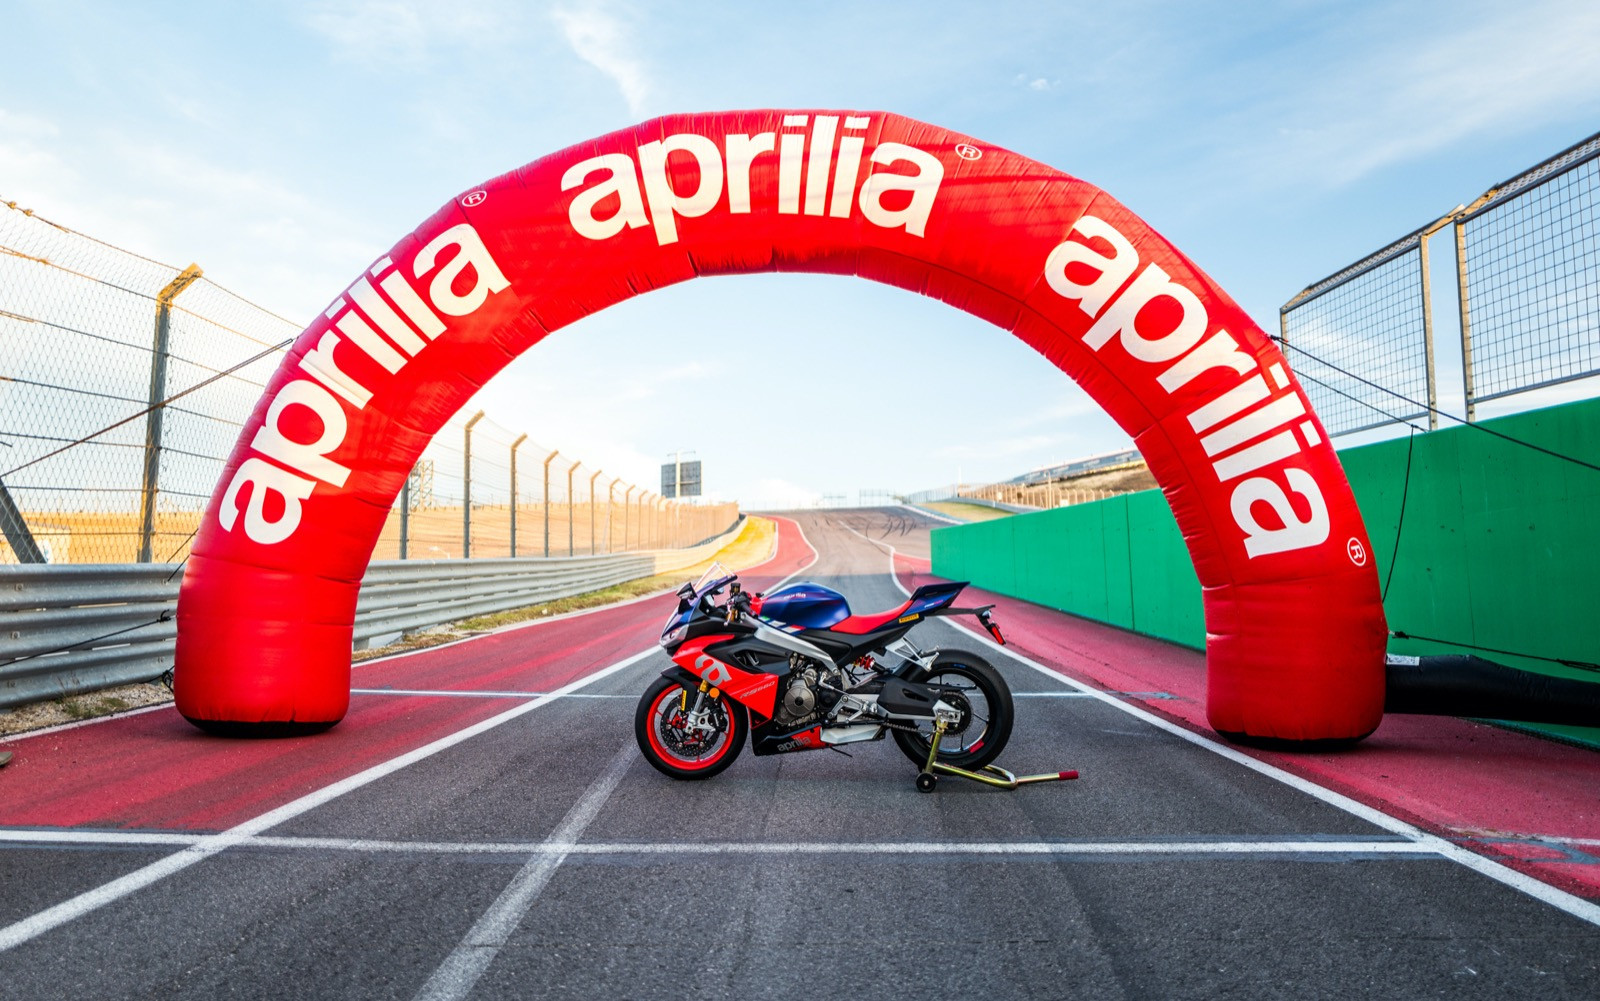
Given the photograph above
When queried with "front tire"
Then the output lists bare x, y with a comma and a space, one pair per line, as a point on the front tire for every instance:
673, 745
977, 689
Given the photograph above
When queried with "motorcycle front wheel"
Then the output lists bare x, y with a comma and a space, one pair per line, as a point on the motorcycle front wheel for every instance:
684, 743
975, 688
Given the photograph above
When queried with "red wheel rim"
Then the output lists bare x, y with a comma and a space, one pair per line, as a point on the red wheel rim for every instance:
672, 757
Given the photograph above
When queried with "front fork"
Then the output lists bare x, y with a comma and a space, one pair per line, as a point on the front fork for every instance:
694, 719
996, 776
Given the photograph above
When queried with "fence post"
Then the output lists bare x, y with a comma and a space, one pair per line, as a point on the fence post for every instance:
466, 486
1427, 316
1466, 317
405, 513
514, 446
158, 393
570, 517
16, 531
611, 505
594, 541
547, 460
627, 498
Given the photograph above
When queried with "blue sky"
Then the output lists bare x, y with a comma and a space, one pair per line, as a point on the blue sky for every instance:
283, 146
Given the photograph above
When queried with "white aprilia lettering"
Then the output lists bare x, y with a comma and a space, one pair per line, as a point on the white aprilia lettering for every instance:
1248, 426
285, 470
647, 192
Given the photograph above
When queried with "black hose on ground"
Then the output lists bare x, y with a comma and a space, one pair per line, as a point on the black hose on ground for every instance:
1463, 685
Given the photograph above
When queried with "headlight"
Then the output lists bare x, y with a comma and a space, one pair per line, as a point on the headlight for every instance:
672, 637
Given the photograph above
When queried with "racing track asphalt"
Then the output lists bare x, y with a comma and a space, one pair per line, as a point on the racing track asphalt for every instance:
542, 858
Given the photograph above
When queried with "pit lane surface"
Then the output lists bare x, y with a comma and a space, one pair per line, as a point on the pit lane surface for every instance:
541, 857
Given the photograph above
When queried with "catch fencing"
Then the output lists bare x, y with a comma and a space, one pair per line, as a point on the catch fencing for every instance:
73, 629
124, 383
1527, 282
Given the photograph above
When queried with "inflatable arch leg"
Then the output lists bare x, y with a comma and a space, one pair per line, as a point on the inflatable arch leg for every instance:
1295, 627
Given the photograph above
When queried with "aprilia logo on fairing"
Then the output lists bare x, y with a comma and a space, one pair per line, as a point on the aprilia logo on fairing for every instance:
643, 194
287, 469
1277, 430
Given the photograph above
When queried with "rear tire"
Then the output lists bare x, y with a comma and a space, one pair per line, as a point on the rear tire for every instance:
675, 749
985, 700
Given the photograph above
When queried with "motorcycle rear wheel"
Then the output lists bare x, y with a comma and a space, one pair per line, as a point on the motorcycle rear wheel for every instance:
674, 748
983, 697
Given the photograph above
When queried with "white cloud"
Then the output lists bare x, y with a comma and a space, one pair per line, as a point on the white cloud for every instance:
601, 40
1032, 82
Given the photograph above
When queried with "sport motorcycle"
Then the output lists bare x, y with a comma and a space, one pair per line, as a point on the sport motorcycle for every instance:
794, 670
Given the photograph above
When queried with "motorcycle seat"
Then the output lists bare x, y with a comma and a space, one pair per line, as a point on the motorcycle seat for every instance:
860, 625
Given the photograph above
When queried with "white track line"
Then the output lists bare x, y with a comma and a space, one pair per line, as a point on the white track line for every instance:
460, 971
91, 900
411, 653
46, 731
1559, 899
557, 846
481, 695
934, 515
31, 927
816, 555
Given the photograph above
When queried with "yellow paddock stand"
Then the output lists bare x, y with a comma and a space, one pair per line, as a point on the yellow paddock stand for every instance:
991, 775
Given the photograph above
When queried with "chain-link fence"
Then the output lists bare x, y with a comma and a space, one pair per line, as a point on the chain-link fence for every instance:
1328, 334
1528, 290
1530, 275
124, 383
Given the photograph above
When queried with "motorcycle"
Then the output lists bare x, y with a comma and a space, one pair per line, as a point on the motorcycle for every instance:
794, 670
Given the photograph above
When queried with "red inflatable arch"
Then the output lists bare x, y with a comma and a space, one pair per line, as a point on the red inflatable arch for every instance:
1295, 627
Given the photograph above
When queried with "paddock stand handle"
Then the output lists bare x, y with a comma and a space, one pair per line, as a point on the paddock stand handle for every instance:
996, 776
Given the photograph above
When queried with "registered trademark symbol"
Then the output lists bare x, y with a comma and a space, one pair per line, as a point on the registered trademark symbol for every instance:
476, 198
967, 151
1358, 552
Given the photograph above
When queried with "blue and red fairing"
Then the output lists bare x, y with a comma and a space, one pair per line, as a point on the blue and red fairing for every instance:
809, 605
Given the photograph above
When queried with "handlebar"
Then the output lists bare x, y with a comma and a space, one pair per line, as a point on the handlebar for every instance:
738, 604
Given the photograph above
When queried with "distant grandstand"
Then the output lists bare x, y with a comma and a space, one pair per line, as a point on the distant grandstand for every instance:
1104, 463
1095, 477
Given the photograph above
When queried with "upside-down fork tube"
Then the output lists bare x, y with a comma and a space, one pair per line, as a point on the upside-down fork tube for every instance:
997, 776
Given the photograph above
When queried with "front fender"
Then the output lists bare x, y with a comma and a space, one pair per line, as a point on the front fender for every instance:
681, 676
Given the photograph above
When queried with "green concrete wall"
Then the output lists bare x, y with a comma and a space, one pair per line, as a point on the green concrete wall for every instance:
1499, 547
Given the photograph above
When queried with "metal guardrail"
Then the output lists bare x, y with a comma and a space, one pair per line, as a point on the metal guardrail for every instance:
74, 628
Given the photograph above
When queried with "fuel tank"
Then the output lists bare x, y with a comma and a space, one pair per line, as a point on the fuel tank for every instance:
805, 604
